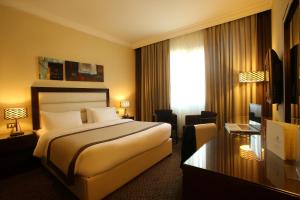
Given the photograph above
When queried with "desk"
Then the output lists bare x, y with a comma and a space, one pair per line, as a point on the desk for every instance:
218, 170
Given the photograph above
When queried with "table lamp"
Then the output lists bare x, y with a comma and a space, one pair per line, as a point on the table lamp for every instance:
125, 104
15, 114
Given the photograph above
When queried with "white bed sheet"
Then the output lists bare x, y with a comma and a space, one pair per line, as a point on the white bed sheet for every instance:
102, 157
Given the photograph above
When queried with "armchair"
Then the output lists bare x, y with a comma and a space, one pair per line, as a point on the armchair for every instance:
168, 117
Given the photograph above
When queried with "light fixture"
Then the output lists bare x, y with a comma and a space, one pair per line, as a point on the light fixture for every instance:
252, 77
125, 104
15, 114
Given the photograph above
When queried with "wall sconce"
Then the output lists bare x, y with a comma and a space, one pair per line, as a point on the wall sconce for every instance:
252, 77
15, 114
125, 104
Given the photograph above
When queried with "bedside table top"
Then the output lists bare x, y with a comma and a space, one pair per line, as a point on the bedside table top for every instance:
7, 135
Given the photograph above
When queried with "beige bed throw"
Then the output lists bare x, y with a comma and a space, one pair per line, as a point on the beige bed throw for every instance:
64, 150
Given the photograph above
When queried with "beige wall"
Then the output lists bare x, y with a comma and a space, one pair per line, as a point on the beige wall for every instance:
278, 11
24, 37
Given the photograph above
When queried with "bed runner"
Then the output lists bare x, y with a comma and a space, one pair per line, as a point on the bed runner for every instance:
64, 150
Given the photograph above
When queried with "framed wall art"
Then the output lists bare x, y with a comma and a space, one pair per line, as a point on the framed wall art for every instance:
76, 71
50, 68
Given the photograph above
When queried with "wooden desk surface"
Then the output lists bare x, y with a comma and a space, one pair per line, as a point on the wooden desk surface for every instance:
223, 157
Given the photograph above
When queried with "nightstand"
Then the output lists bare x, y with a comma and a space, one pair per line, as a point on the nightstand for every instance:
128, 117
16, 153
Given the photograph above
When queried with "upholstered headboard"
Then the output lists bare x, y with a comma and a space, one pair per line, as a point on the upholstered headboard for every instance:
57, 99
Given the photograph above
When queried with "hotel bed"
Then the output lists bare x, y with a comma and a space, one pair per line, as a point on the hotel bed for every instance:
94, 159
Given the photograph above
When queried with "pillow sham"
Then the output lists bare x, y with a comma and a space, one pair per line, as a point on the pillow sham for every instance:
101, 114
60, 120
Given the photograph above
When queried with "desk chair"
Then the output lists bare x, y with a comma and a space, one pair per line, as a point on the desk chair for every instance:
194, 136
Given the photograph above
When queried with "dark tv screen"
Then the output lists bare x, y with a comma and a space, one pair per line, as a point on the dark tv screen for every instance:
274, 77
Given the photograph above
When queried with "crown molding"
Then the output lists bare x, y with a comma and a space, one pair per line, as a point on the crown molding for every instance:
251, 10
175, 33
22, 6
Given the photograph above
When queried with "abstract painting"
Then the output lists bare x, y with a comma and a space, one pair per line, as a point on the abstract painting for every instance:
51, 69
76, 71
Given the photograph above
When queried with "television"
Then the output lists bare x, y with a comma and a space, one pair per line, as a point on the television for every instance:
274, 77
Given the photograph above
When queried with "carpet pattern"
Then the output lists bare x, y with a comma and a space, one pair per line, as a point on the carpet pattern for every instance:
162, 181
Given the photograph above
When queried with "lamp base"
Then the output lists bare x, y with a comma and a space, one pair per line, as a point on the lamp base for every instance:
13, 134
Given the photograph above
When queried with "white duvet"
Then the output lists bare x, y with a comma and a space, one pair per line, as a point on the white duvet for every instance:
101, 157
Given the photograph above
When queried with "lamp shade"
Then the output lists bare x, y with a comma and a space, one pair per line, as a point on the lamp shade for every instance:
15, 113
124, 104
251, 77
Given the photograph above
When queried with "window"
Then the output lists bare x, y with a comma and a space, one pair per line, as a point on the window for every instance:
187, 74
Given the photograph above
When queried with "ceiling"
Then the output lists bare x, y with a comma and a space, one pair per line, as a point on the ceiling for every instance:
136, 23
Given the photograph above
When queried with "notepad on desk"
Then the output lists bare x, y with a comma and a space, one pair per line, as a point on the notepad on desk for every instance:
283, 139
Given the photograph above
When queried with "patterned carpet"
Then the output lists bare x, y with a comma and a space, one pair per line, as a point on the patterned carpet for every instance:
162, 181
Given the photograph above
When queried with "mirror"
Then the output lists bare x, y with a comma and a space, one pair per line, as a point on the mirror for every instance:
291, 63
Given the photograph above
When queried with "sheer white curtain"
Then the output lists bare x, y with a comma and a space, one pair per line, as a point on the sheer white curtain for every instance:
187, 74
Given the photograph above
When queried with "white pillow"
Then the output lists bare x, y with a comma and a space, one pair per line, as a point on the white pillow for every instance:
101, 114
60, 120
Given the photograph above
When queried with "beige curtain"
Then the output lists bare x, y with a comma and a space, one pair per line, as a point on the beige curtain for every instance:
230, 48
155, 79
